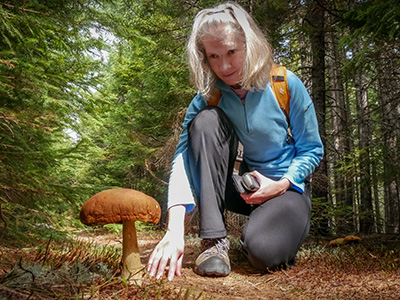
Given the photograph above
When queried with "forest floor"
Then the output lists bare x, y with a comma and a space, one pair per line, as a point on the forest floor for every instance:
369, 270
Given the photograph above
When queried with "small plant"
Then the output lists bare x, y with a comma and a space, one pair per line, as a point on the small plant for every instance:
115, 228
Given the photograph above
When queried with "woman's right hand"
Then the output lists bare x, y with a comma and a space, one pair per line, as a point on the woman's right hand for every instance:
268, 189
169, 249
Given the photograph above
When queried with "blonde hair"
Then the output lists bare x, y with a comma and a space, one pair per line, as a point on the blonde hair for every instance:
258, 56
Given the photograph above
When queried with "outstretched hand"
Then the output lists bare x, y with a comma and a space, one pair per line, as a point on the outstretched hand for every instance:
268, 189
170, 248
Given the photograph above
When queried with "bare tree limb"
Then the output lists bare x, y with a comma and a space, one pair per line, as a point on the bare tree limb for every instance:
152, 173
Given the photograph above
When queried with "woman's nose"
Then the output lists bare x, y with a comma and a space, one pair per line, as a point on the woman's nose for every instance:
225, 64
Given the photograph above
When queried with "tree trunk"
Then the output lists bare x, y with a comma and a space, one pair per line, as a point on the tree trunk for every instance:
341, 126
366, 217
389, 93
375, 183
320, 179
352, 193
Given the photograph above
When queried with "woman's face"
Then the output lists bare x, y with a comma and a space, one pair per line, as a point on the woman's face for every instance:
225, 52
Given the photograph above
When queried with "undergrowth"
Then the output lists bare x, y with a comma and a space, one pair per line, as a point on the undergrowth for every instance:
54, 265
41, 259
354, 258
78, 271
23, 226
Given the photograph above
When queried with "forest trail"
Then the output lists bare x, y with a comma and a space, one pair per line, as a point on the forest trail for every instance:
352, 272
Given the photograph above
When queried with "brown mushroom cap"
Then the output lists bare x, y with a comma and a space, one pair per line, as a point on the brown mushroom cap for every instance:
117, 205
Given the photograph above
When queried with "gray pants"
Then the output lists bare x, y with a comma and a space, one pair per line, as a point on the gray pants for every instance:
275, 229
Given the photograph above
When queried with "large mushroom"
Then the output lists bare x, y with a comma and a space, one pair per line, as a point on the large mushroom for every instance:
126, 206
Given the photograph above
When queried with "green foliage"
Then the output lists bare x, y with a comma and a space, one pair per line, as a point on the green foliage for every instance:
320, 214
280, 28
92, 95
362, 19
368, 26
46, 73
146, 84
23, 227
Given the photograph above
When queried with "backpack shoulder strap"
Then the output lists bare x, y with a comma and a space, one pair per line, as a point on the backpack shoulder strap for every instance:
279, 85
214, 98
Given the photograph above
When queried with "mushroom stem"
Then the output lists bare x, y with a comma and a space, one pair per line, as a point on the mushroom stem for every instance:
131, 264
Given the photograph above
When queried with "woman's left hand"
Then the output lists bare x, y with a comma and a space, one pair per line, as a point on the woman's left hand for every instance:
268, 189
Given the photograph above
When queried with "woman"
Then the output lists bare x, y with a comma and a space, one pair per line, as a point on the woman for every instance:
230, 57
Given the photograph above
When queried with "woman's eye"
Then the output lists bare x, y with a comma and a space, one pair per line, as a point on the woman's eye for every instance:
212, 56
233, 51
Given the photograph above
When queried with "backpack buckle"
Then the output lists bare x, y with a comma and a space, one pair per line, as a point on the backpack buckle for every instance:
278, 78
289, 137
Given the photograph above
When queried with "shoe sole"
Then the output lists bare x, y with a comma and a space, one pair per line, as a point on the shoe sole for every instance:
214, 266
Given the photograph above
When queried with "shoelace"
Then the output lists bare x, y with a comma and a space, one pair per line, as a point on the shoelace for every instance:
220, 245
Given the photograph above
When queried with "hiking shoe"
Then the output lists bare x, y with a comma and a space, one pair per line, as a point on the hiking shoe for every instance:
214, 260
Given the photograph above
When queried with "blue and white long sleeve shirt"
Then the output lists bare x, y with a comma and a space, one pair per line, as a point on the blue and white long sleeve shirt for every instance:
261, 126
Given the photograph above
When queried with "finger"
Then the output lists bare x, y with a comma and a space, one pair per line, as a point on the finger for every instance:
151, 259
247, 198
172, 267
179, 266
161, 267
154, 265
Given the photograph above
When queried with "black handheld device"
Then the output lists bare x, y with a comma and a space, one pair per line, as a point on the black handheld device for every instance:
246, 183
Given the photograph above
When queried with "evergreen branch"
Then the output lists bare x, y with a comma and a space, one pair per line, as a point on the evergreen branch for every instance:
193, 4
4, 221
8, 63
168, 30
330, 11
6, 123
26, 9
